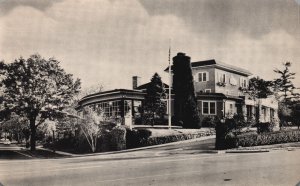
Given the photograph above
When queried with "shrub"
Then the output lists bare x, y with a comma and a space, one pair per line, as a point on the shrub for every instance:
253, 139
210, 122
118, 138
230, 140
73, 144
137, 137
264, 127
226, 132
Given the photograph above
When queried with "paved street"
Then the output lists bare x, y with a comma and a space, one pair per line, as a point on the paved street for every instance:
182, 164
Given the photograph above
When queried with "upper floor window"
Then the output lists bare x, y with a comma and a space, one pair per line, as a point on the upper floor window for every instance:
202, 76
221, 77
243, 82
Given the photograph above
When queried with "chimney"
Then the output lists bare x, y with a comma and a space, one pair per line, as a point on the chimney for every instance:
135, 82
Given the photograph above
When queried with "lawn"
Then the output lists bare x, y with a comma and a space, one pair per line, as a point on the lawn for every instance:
43, 154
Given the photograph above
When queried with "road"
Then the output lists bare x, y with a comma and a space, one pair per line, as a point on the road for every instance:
182, 164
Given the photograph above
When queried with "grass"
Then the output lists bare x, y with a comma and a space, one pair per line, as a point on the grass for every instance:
43, 154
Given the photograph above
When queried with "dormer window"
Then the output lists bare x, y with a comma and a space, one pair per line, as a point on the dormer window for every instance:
202, 76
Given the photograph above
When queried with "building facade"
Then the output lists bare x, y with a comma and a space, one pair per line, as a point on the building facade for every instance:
218, 87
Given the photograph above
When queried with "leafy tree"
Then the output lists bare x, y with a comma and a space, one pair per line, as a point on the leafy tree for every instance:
185, 103
37, 89
154, 106
284, 114
91, 90
15, 125
295, 115
284, 83
259, 88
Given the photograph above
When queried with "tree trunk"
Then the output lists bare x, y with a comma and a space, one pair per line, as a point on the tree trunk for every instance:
93, 149
18, 137
32, 134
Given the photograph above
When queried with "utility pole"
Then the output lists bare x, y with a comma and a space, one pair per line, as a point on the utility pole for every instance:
170, 87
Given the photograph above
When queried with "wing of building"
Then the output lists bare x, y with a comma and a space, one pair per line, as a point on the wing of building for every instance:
218, 87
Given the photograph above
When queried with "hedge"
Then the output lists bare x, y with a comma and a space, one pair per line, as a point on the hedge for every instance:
140, 138
252, 139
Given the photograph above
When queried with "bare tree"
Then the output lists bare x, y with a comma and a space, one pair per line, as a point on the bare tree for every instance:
91, 126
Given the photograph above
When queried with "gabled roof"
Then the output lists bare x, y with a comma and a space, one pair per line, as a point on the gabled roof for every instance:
220, 65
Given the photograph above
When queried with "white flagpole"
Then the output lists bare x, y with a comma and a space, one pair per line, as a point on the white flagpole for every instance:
170, 86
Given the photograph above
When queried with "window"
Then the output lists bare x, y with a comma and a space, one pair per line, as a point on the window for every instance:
202, 76
264, 113
209, 107
243, 82
232, 81
109, 109
249, 112
221, 77
127, 107
207, 90
230, 108
272, 114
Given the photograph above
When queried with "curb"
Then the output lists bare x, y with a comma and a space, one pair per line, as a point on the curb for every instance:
58, 152
134, 149
246, 151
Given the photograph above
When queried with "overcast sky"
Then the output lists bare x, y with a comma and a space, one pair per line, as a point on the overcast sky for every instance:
108, 41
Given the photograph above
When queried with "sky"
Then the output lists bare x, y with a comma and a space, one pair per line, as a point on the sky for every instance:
106, 42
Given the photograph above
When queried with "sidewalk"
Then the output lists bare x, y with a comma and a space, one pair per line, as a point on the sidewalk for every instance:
134, 149
10, 147
265, 148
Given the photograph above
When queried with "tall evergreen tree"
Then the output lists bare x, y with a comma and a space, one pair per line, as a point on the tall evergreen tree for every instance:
185, 103
283, 84
285, 88
154, 106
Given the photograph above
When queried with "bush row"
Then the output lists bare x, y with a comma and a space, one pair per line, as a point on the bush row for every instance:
252, 139
174, 138
142, 137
